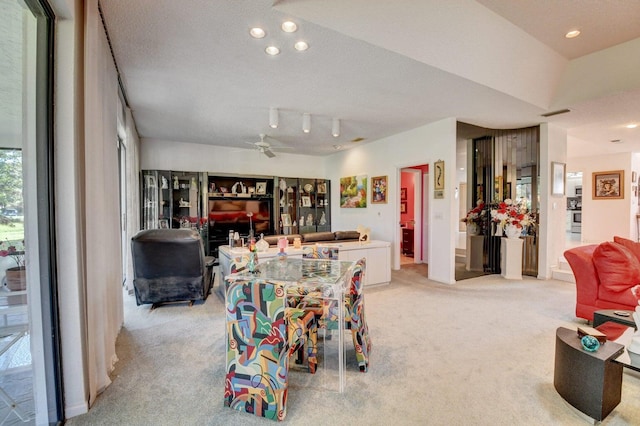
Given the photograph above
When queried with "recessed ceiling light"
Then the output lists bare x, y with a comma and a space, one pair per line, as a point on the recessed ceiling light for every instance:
632, 126
337, 147
358, 139
272, 50
257, 32
461, 168
301, 46
289, 27
572, 34
616, 141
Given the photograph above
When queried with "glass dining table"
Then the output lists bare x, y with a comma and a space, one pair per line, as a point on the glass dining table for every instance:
327, 280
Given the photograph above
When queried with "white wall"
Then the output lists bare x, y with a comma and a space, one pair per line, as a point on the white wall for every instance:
424, 145
604, 219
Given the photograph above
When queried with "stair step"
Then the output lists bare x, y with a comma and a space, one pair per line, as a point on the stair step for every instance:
562, 275
563, 264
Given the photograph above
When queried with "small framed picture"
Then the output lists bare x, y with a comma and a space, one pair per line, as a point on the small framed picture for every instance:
634, 177
608, 185
306, 201
558, 178
286, 219
379, 189
403, 193
261, 188
403, 207
163, 223
322, 188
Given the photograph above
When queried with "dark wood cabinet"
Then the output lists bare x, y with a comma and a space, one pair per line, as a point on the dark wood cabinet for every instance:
407, 242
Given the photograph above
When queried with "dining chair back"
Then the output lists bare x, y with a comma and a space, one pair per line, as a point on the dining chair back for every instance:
261, 334
355, 315
327, 312
320, 252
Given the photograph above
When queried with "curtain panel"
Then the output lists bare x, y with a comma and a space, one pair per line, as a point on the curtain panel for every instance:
102, 251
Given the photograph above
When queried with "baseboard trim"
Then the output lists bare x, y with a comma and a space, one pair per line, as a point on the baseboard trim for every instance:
76, 410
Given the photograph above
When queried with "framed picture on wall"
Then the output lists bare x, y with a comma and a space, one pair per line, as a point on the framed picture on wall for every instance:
261, 188
403, 207
379, 189
403, 193
558, 178
608, 185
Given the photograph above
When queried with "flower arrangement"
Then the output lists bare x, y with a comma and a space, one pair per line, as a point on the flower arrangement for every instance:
11, 250
510, 213
475, 215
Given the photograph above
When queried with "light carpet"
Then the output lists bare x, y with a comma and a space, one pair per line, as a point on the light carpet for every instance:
480, 352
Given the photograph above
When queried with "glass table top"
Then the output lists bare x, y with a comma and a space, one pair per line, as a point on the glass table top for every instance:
301, 271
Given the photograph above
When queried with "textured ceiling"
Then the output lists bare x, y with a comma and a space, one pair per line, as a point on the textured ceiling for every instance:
192, 73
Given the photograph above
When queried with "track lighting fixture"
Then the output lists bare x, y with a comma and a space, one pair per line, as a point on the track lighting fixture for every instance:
273, 118
335, 128
306, 122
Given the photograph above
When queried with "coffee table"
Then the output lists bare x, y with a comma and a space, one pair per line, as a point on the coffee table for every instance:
616, 315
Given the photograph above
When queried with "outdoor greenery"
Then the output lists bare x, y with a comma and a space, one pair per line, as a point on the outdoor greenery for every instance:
13, 232
10, 179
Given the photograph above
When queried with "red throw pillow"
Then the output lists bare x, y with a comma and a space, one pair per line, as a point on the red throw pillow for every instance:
630, 244
618, 268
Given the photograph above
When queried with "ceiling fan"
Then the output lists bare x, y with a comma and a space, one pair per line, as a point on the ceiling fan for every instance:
264, 146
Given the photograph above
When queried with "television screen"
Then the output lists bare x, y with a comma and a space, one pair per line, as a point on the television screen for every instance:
225, 215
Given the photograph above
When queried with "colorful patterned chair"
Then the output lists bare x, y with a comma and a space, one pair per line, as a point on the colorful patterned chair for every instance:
355, 317
354, 314
261, 335
320, 252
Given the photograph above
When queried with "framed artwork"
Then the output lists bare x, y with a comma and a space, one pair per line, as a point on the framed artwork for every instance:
286, 219
403, 193
634, 177
353, 191
438, 179
558, 178
379, 190
608, 185
322, 188
306, 201
261, 188
403, 206
164, 223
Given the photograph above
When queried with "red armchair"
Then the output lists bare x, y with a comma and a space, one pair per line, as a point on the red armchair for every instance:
607, 276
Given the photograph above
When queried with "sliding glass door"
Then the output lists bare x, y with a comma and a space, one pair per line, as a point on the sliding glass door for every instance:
28, 330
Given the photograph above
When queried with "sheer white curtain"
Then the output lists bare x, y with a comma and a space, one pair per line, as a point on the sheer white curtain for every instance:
103, 271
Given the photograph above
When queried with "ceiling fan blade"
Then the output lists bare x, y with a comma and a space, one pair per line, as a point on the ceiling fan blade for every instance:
268, 153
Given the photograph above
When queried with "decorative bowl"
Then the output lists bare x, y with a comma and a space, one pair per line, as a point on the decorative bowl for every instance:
590, 343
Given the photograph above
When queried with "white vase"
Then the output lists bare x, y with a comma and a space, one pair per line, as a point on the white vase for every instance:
498, 230
473, 229
512, 231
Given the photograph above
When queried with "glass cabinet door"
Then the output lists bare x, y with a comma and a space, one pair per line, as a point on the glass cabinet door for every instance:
323, 208
287, 202
164, 199
185, 199
149, 199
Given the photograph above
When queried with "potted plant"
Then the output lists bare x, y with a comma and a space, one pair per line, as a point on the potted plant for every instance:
512, 217
475, 218
16, 276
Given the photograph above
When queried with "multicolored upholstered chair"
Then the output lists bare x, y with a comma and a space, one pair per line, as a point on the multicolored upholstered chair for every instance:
354, 314
261, 335
320, 252
355, 317
238, 263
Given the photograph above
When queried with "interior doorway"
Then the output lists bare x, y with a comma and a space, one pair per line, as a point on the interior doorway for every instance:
413, 214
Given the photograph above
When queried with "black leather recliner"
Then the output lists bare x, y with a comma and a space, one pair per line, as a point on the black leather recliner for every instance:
169, 265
